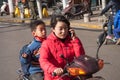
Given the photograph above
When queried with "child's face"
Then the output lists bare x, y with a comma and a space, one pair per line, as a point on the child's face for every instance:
40, 31
61, 30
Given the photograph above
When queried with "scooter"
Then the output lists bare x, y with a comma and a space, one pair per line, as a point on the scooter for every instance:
74, 10
57, 9
83, 67
4, 9
71, 10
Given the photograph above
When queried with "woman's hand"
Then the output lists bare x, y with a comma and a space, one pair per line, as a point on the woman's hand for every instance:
58, 71
72, 32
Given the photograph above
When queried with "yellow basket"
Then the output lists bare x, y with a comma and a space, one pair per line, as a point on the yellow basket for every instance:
17, 12
45, 12
26, 13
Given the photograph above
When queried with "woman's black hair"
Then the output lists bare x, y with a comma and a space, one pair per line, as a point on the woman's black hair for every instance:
35, 23
56, 18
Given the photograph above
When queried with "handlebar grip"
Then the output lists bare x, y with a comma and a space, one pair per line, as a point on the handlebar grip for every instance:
54, 74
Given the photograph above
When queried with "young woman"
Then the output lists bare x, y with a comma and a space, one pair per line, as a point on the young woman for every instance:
61, 41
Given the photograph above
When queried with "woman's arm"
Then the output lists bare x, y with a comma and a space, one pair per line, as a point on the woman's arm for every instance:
45, 58
78, 47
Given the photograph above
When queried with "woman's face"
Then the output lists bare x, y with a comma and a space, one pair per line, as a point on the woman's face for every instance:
61, 30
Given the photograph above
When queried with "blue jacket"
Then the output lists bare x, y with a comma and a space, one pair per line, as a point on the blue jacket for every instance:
32, 58
117, 20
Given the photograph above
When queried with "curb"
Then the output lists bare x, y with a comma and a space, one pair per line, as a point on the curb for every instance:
86, 25
10, 20
79, 25
47, 22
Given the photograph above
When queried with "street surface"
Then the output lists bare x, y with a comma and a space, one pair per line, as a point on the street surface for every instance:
7, 24
13, 37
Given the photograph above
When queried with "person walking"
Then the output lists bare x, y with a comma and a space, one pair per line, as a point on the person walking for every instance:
88, 6
32, 6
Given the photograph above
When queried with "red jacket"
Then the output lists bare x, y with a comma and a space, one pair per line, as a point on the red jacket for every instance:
51, 50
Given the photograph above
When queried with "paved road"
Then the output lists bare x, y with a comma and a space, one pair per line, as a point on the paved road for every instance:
8, 24
12, 38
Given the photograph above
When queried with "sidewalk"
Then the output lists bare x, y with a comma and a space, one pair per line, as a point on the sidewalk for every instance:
94, 23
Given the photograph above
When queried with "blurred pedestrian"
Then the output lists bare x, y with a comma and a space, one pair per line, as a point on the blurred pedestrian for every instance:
32, 6
88, 6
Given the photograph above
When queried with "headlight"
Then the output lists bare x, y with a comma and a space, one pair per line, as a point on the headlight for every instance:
100, 63
76, 71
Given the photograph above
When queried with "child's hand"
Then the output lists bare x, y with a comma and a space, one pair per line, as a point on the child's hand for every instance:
36, 52
24, 55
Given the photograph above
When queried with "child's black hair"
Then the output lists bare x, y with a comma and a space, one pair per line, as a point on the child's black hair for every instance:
57, 18
35, 23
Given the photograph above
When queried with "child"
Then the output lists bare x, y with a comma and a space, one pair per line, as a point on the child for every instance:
116, 30
61, 41
29, 59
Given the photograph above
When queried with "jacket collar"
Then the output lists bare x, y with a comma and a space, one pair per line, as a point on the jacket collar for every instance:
54, 37
39, 39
